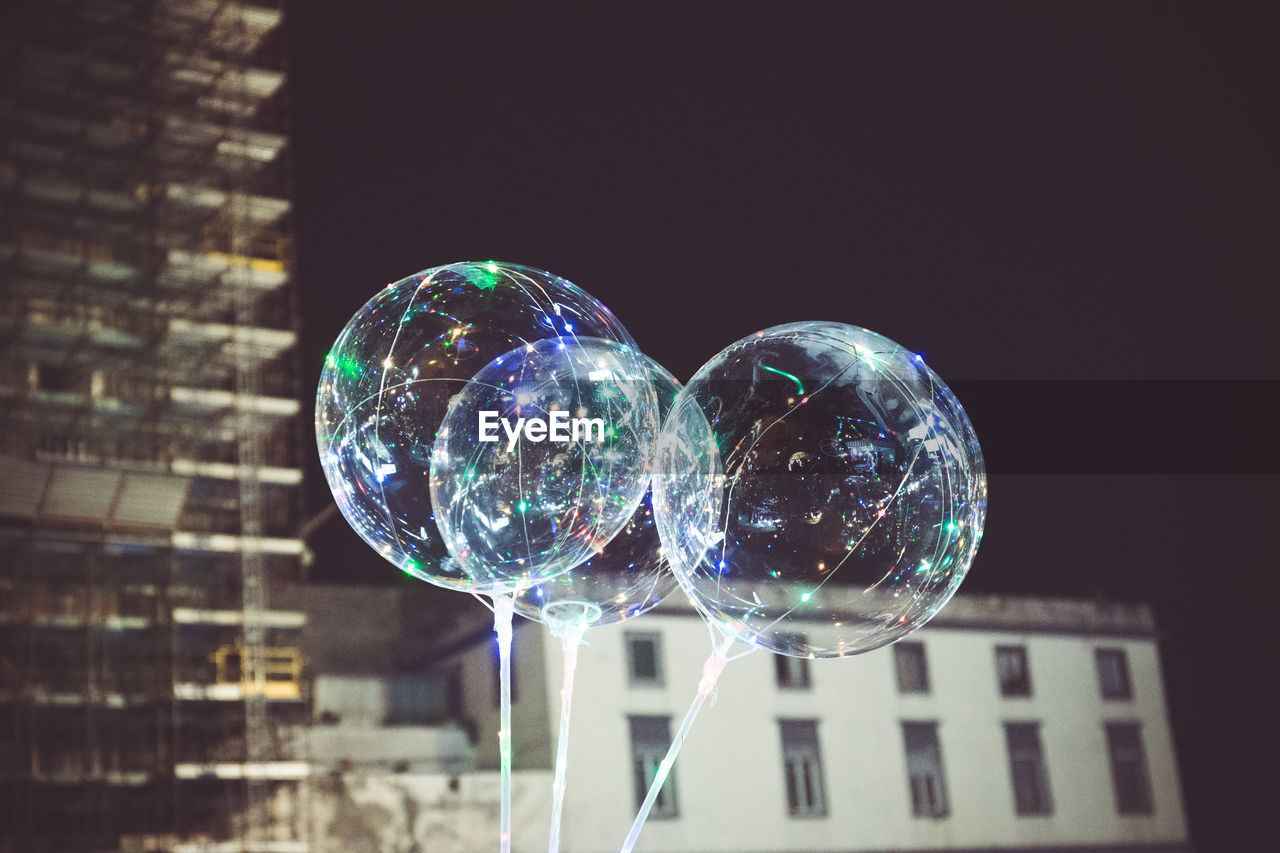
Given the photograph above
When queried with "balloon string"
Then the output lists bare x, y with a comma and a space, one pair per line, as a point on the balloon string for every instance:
570, 638
503, 611
710, 675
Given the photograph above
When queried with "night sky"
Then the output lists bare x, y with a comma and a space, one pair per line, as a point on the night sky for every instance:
1070, 210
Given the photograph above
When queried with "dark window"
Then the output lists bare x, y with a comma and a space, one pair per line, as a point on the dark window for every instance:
1113, 674
792, 673
53, 377
924, 769
1012, 670
1129, 768
802, 767
411, 701
453, 696
650, 740
1026, 766
913, 672
644, 658
497, 677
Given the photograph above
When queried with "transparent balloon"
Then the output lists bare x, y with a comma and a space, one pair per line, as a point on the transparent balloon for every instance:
819, 491
629, 575
543, 457
386, 387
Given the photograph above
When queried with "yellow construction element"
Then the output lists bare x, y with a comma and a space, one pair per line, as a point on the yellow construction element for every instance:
242, 261
265, 252
281, 676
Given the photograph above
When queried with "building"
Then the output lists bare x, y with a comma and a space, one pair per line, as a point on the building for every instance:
152, 698
375, 706
1006, 724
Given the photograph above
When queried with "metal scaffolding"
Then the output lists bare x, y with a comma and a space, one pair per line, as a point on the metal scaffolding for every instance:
150, 697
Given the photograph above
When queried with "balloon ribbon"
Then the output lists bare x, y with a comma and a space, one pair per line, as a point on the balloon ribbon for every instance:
710, 675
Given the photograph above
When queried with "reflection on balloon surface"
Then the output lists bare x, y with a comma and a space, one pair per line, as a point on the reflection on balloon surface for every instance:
842, 497
387, 383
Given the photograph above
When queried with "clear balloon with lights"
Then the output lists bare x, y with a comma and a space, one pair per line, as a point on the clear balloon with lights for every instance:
622, 572
626, 577
543, 457
846, 498
390, 382
387, 384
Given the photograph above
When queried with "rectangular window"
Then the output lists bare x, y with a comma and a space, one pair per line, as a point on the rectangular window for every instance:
1012, 671
924, 770
644, 659
1129, 768
1113, 674
410, 701
802, 768
792, 673
1026, 766
650, 740
913, 672
497, 677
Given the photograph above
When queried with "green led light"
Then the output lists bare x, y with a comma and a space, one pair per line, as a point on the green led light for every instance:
799, 384
485, 277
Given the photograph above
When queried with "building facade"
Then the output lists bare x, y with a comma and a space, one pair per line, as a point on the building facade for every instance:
1006, 724
151, 696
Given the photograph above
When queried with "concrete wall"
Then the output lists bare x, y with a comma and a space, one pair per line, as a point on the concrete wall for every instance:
352, 699
532, 710
424, 813
421, 749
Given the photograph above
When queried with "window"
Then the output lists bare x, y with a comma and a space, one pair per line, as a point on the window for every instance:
1026, 766
913, 673
497, 677
650, 740
411, 701
1012, 670
1113, 674
644, 659
793, 673
1129, 768
924, 769
53, 377
802, 767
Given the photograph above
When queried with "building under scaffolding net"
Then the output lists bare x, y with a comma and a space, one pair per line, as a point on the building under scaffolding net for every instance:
151, 697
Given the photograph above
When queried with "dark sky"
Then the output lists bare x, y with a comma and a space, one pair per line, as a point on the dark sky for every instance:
1071, 210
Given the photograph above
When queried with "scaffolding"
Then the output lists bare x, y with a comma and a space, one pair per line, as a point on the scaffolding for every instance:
150, 697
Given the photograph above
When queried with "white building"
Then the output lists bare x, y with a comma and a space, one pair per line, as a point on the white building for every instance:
1006, 724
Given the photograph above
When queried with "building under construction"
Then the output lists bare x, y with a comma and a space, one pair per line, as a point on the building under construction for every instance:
151, 697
